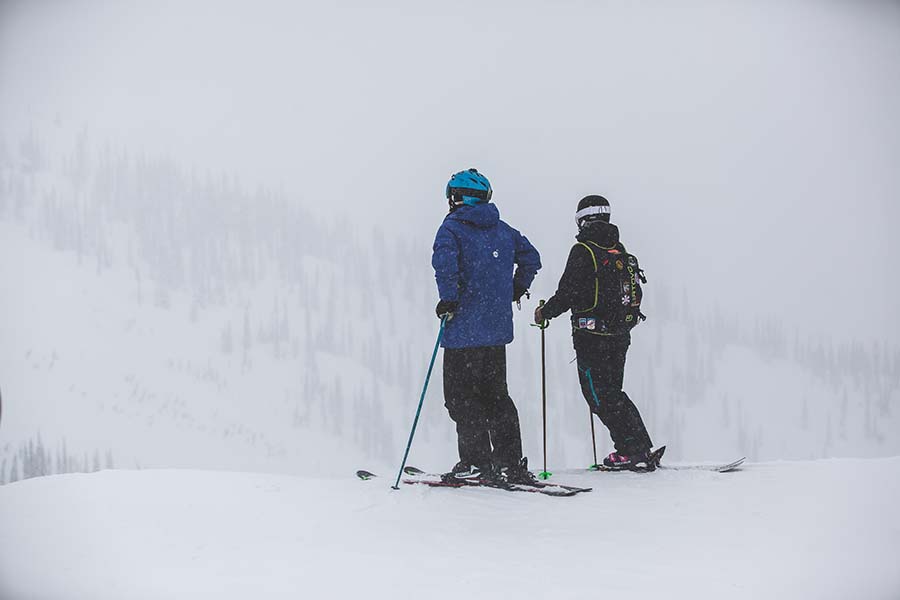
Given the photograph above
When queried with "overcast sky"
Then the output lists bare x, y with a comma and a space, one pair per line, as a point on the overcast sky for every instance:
754, 144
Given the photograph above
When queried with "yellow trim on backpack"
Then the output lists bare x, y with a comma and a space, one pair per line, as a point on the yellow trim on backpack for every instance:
596, 274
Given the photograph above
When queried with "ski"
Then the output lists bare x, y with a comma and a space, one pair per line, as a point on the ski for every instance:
725, 468
419, 477
656, 456
557, 491
548, 489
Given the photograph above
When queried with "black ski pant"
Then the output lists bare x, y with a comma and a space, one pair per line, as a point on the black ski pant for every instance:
601, 371
475, 394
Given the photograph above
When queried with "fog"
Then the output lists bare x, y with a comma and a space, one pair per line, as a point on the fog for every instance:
750, 151
739, 137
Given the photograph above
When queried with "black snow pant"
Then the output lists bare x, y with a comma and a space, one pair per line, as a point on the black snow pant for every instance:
475, 394
601, 371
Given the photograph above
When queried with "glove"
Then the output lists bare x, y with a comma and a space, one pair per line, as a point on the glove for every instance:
446, 307
519, 291
538, 316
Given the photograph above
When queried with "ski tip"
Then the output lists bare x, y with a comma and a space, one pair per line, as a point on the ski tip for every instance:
364, 475
734, 466
413, 471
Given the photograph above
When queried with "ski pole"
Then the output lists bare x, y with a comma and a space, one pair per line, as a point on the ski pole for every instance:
412, 432
594, 466
542, 326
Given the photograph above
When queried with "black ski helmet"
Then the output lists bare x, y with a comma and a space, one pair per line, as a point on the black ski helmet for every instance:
592, 208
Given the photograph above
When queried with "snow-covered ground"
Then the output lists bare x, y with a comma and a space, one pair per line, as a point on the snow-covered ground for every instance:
818, 529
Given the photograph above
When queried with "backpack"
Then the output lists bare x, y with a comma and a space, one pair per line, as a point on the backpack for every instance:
617, 292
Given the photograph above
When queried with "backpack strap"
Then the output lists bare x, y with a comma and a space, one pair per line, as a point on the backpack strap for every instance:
596, 278
595, 244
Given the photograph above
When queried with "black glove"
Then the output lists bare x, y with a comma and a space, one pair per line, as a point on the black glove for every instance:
539, 319
446, 307
518, 291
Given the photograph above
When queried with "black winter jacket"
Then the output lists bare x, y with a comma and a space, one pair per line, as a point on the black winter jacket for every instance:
576, 286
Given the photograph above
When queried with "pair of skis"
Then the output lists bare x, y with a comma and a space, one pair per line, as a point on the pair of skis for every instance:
420, 477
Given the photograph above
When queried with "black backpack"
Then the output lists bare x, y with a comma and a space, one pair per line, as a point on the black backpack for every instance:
617, 292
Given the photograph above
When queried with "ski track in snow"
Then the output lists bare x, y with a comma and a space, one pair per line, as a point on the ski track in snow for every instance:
823, 529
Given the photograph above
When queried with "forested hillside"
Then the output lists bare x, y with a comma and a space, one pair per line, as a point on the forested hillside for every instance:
202, 321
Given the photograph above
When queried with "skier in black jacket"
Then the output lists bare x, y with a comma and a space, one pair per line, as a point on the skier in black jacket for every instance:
600, 346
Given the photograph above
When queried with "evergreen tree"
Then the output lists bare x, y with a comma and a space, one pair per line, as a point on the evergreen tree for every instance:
226, 341
804, 414
247, 338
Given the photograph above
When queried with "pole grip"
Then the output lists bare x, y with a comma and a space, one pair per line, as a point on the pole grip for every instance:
545, 323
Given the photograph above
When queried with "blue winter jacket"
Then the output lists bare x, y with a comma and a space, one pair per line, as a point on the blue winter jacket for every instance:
473, 259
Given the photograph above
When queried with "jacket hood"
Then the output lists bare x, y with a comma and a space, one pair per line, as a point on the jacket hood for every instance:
483, 216
599, 232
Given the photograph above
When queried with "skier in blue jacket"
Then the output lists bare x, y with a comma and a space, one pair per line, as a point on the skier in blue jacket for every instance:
474, 257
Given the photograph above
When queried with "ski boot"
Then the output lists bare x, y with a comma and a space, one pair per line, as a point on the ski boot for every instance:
464, 470
635, 462
519, 473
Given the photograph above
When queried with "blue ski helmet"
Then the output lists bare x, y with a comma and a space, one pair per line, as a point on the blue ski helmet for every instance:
468, 187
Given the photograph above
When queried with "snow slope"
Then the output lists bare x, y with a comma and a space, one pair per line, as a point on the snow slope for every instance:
819, 529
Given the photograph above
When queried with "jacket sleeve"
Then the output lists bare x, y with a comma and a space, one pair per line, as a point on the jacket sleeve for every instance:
527, 259
575, 280
445, 260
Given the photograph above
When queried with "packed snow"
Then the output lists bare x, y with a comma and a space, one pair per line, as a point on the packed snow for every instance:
826, 529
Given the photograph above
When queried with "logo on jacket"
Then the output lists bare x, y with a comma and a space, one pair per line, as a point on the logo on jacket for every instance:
496, 254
